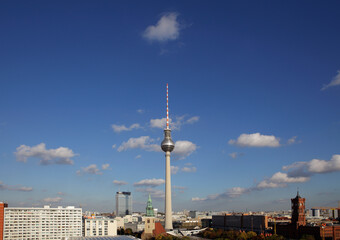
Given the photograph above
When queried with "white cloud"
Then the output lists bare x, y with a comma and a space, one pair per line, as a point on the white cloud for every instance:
61, 193
24, 189
179, 187
158, 123
15, 188
196, 199
149, 182
91, 169
140, 111
52, 200
121, 128
230, 193
280, 179
167, 28
61, 155
323, 166
119, 183
335, 82
233, 155
188, 169
298, 172
292, 140
143, 142
174, 124
155, 193
256, 140
315, 166
174, 169
236, 191
105, 166
193, 119
138, 156
183, 149
114, 146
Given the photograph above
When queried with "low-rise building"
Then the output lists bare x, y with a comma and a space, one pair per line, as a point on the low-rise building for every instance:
255, 223
99, 227
135, 226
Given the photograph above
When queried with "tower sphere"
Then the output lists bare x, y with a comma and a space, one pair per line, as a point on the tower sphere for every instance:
167, 144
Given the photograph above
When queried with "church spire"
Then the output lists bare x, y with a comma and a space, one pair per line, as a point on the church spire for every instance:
149, 208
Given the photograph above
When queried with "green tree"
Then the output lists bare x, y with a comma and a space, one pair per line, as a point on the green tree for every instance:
275, 237
307, 237
231, 235
251, 235
120, 231
242, 236
128, 231
219, 233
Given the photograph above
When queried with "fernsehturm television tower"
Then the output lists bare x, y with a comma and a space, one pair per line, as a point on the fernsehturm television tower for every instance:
167, 146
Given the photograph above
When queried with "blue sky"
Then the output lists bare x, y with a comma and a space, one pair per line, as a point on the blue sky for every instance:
254, 90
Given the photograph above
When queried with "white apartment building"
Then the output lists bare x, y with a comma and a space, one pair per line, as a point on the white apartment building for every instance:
42, 223
100, 227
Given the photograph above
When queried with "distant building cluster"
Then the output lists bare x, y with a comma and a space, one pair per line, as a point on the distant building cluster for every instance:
298, 226
48, 223
72, 223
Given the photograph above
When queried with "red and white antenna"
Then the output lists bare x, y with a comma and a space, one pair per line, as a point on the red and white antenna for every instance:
167, 106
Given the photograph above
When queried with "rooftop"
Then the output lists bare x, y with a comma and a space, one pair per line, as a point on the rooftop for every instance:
105, 238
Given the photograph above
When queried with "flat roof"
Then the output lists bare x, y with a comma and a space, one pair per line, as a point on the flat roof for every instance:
120, 237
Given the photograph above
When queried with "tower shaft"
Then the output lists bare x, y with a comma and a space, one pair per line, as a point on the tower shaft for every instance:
167, 146
168, 206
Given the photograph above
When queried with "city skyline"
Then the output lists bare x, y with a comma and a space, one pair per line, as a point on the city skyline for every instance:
254, 94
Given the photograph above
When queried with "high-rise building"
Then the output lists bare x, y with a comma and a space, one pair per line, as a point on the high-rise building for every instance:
167, 146
42, 223
123, 204
2, 214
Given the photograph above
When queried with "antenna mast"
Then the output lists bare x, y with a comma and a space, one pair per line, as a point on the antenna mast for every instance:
167, 107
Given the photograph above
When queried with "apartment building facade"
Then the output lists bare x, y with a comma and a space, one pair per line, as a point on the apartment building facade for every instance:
42, 223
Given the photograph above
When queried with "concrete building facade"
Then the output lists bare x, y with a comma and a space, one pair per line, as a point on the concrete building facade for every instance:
42, 223
99, 227
135, 226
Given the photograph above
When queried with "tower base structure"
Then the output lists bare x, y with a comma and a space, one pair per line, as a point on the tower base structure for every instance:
168, 208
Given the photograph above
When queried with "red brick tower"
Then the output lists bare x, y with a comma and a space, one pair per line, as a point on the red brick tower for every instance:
298, 211
2, 217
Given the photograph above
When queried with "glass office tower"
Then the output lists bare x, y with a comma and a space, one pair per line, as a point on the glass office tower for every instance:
123, 204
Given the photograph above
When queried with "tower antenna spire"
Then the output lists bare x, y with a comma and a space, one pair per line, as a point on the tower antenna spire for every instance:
167, 107
167, 146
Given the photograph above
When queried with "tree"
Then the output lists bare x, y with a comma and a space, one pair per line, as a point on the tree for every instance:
275, 237
242, 236
120, 231
251, 234
307, 237
128, 231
